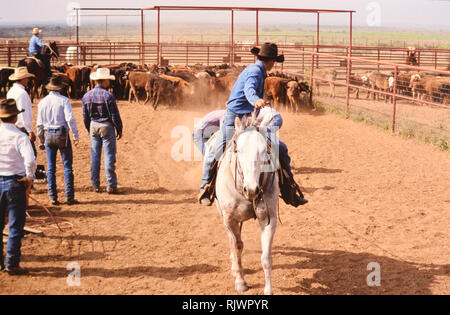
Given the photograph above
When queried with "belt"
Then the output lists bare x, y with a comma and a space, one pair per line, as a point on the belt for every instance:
56, 129
11, 177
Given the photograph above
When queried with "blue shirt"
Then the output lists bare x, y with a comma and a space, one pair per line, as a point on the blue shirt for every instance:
248, 88
35, 45
99, 105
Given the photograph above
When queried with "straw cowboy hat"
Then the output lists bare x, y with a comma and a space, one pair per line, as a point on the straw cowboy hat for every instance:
8, 108
267, 52
36, 31
56, 84
20, 74
102, 74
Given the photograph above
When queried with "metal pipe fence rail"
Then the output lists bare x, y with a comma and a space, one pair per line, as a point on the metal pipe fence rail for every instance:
87, 53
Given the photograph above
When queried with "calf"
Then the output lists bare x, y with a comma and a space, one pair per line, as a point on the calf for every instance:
221, 87
324, 77
381, 82
294, 89
143, 80
184, 89
74, 74
276, 88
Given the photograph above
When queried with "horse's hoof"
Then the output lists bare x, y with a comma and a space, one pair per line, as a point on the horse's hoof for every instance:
268, 292
241, 287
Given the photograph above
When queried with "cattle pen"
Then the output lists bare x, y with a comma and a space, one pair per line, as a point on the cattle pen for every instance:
301, 60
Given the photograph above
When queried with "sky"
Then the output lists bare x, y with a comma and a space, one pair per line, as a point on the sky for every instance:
370, 13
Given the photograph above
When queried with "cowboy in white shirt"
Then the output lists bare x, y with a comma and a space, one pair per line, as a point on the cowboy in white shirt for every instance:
21, 77
55, 119
17, 168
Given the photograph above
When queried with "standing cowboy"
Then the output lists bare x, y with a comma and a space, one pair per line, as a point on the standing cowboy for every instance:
102, 120
246, 96
17, 168
35, 50
21, 77
55, 119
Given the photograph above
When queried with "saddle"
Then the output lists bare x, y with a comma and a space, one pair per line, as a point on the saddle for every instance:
38, 61
289, 189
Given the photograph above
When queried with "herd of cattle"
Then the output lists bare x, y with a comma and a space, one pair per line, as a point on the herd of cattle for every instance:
203, 85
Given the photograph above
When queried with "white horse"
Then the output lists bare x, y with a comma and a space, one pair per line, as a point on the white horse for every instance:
247, 188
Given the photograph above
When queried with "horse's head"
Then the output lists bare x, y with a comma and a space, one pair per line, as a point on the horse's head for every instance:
51, 50
252, 154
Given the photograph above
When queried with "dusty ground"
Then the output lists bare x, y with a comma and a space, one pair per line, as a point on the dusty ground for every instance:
374, 197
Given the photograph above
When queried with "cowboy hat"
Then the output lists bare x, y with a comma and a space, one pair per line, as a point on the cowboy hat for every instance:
20, 74
8, 108
268, 51
56, 84
102, 74
36, 31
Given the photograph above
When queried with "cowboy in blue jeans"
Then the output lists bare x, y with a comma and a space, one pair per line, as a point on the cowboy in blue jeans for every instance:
102, 120
55, 119
246, 96
17, 168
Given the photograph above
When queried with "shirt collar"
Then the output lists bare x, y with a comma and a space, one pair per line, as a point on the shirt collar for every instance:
100, 87
261, 65
9, 126
55, 92
19, 85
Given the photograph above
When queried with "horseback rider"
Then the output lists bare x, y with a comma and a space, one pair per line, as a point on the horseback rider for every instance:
35, 50
246, 97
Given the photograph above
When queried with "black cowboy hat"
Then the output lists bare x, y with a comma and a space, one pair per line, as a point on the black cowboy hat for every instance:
56, 84
8, 108
267, 52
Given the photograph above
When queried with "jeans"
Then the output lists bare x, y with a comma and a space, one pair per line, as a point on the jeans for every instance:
103, 135
226, 134
201, 136
65, 147
13, 204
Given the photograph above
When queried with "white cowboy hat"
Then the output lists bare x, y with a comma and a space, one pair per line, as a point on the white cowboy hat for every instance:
102, 74
36, 31
20, 73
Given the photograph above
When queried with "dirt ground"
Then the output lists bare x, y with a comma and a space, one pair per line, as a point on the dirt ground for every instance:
374, 197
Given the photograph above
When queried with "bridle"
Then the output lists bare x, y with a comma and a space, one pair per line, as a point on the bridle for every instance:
265, 178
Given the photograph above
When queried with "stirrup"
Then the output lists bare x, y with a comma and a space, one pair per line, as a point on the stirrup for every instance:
204, 198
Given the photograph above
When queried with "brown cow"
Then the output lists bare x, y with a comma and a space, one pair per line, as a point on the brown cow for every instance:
142, 80
74, 74
184, 90
276, 88
4, 79
221, 87
427, 87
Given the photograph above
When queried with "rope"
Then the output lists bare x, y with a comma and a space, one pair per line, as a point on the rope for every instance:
48, 211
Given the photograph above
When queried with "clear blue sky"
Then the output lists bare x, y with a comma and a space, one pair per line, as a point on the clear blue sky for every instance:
394, 13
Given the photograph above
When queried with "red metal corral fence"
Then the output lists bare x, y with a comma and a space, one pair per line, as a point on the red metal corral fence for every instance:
87, 53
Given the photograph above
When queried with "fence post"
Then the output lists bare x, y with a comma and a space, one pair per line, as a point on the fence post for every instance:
349, 66
311, 74
9, 56
187, 54
394, 99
